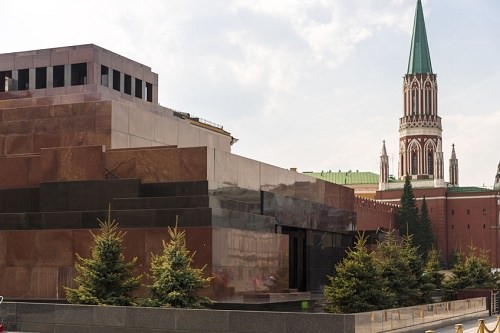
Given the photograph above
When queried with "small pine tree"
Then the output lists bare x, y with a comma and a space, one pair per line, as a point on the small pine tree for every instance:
471, 271
408, 212
424, 239
432, 267
357, 285
401, 267
105, 278
175, 282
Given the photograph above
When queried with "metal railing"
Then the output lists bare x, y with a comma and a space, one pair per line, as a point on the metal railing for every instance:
397, 319
495, 302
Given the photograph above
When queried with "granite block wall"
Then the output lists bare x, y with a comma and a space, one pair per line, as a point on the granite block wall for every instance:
28, 129
61, 318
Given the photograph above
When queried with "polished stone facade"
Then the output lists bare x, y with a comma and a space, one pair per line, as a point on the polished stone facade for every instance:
92, 135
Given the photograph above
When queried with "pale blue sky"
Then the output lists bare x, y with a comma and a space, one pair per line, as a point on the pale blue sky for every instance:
313, 84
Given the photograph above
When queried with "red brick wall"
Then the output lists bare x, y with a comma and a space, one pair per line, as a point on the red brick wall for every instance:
473, 220
372, 214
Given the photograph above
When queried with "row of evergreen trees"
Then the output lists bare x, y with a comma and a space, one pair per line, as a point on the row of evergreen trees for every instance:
107, 279
393, 276
411, 222
403, 272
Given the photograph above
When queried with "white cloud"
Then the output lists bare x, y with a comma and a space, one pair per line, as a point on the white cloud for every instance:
314, 84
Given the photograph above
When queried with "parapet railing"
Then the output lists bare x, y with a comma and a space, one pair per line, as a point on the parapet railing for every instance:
400, 318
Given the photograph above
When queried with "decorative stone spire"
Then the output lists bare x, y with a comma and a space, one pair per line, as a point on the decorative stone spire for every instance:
384, 168
420, 131
420, 57
439, 166
453, 167
496, 186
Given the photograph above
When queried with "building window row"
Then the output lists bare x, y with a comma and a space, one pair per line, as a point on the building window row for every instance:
126, 83
468, 211
43, 77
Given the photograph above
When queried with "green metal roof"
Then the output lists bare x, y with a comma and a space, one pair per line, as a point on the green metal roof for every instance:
420, 58
468, 189
346, 177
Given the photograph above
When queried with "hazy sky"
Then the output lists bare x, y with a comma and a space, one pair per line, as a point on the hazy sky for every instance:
312, 84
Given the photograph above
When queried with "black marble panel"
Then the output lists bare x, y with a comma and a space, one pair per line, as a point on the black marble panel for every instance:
322, 254
252, 207
85, 195
191, 217
174, 189
13, 221
18, 200
160, 203
57, 220
305, 214
125, 218
238, 199
53, 196
237, 220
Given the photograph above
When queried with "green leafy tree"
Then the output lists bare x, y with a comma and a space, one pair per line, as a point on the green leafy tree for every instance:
424, 238
401, 267
175, 282
358, 285
408, 213
105, 278
432, 268
469, 272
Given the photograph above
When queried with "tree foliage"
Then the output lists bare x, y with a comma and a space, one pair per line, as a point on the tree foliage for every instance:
424, 237
470, 272
105, 278
393, 276
358, 285
402, 268
432, 268
408, 212
175, 282
414, 224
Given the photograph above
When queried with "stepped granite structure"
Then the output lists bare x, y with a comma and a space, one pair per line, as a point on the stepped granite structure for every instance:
81, 129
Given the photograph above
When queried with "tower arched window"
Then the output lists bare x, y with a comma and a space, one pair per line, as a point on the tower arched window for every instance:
430, 163
428, 100
414, 169
414, 101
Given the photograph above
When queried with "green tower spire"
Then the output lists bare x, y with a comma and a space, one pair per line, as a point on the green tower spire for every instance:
420, 58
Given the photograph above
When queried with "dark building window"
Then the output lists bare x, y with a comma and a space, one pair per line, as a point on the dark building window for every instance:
430, 163
149, 92
58, 76
484, 226
414, 100
41, 78
78, 74
5, 78
468, 226
127, 85
484, 211
104, 76
468, 211
23, 79
413, 163
452, 212
427, 101
116, 80
138, 88
452, 227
